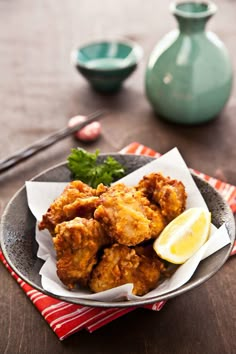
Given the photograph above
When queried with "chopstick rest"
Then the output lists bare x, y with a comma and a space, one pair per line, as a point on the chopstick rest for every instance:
33, 149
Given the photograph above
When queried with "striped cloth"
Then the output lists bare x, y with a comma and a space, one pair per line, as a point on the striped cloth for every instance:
65, 318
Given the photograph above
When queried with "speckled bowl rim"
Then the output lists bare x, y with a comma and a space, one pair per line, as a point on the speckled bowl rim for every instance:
230, 224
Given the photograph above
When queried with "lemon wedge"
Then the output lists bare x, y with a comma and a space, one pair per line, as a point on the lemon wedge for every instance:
184, 235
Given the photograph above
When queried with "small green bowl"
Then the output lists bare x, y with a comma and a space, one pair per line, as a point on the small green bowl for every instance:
107, 64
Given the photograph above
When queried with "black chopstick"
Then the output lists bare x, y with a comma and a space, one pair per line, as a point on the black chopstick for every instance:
33, 149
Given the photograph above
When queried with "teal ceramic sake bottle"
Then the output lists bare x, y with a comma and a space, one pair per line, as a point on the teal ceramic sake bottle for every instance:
189, 73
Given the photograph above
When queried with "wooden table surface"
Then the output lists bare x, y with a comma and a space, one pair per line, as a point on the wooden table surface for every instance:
39, 92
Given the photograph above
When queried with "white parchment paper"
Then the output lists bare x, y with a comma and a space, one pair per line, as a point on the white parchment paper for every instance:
41, 194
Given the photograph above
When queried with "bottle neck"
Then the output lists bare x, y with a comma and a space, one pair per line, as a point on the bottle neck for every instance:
192, 16
191, 25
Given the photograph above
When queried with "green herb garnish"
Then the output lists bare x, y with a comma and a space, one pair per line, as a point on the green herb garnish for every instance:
84, 166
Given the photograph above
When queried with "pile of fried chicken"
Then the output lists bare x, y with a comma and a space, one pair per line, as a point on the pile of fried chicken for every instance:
103, 237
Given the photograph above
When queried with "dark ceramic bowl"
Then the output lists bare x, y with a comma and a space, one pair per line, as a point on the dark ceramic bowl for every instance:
20, 248
107, 64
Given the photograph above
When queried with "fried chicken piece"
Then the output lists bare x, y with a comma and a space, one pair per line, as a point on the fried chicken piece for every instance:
168, 193
158, 221
148, 251
77, 243
127, 215
77, 199
120, 265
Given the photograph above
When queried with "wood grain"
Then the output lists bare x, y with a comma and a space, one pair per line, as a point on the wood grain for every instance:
39, 92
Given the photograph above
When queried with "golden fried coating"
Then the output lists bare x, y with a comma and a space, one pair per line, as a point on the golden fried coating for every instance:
168, 193
77, 199
120, 265
158, 221
127, 215
77, 243
118, 221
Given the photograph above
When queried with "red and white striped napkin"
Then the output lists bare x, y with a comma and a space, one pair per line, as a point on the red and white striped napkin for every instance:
65, 318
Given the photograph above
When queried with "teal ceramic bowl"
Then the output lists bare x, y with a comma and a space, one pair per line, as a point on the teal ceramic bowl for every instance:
106, 64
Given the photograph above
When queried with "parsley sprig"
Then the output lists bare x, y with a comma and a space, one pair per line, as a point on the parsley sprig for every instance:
84, 166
